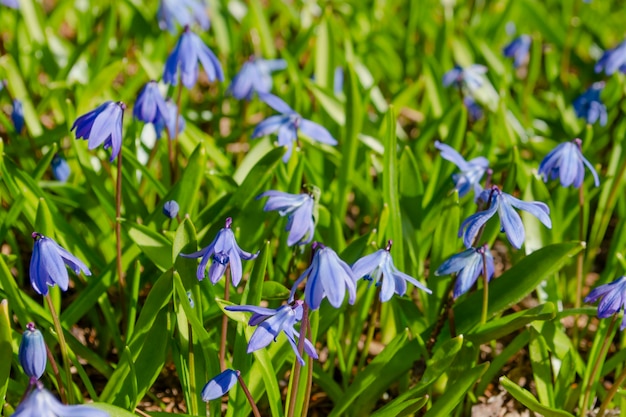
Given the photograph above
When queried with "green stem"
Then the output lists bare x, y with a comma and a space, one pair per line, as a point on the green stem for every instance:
193, 407
371, 327
580, 259
297, 367
609, 396
63, 347
118, 236
224, 323
483, 316
57, 374
246, 391
171, 144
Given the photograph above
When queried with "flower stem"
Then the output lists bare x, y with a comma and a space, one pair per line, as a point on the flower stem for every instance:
224, 323
244, 387
580, 258
371, 327
297, 367
63, 347
193, 407
57, 375
609, 396
483, 316
118, 234
171, 147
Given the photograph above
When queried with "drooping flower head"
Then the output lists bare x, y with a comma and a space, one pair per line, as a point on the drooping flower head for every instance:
467, 265
379, 264
287, 125
150, 105
183, 12
472, 171
47, 265
169, 121
299, 211
589, 106
270, 323
328, 277
567, 162
220, 385
613, 60
471, 77
613, 299
255, 75
504, 204
190, 50
223, 251
518, 50
32, 352
170, 208
17, 115
41, 403
60, 168
102, 125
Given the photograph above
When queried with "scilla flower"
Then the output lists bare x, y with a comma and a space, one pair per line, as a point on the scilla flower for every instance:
471, 171
589, 106
41, 403
567, 162
183, 12
170, 209
613, 60
270, 323
255, 75
299, 211
504, 204
47, 265
32, 352
150, 105
467, 265
518, 50
17, 115
224, 251
288, 124
60, 168
185, 57
379, 265
169, 121
472, 76
102, 125
613, 299
328, 277
220, 385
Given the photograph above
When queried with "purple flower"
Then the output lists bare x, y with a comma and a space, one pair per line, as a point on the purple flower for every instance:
102, 125
378, 264
472, 76
32, 352
271, 322
510, 221
287, 125
188, 51
588, 105
169, 121
220, 385
613, 60
328, 276
299, 211
47, 265
467, 265
42, 403
14, 4
566, 162
474, 110
183, 12
613, 299
518, 50
170, 209
60, 168
471, 171
150, 105
255, 75
223, 250
17, 115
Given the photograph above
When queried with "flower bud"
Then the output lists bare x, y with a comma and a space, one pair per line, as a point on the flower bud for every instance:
32, 354
220, 385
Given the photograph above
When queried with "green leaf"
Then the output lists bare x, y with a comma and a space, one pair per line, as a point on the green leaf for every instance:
527, 399
6, 350
542, 370
390, 188
455, 392
273, 290
113, 410
154, 245
395, 409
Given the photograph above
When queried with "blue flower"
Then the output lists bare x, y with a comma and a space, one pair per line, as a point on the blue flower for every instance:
102, 125
378, 264
41, 403
287, 125
613, 299
338, 81
170, 209
588, 105
271, 322
471, 171
474, 110
518, 50
510, 221
566, 162
220, 385
223, 250
328, 276
299, 210
60, 168
188, 51
255, 75
467, 265
472, 76
183, 12
169, 121
613, 60
32, 353
150, 105
47, 265
14, 4
17, 115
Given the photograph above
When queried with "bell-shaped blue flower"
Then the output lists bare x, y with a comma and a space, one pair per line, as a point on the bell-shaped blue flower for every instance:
613, 60
588, 105
185, 57
299, 211
287, 125
17, 115
102, 125
567, 162
471, 171
473, 76
150, 104
170, 209
255, 75
328, 277
220, 385
224, 251
467, 265
60, 168
518, 50
183, 12
41, 403
32, 353
379, 264
270, 323
613, 299
504, 204
169, 121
